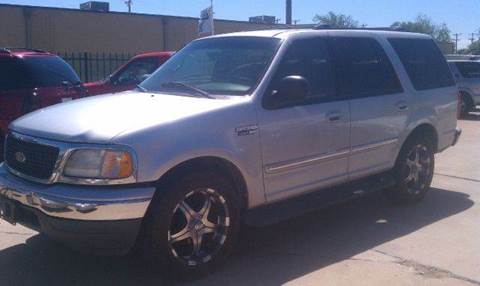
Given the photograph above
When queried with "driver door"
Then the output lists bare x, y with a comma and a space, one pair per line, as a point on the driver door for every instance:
305, 144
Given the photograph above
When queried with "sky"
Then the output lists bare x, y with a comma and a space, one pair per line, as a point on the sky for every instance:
462, 16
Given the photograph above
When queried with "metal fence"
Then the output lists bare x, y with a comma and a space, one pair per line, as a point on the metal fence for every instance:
95, 66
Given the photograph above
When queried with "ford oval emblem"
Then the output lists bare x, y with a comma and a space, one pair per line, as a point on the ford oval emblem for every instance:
20, 157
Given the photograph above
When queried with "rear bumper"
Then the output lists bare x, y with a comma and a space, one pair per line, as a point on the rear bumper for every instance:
103, 220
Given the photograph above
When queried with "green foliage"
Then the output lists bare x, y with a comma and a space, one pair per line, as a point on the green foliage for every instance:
335, 20
424, 24
474, 48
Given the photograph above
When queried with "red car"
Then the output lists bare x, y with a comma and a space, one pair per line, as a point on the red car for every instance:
32, 79
129, 75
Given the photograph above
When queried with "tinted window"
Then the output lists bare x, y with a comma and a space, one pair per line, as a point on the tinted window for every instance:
363, 68
136, 70
48, 71
12, 74
424, 63
309, 58
469, 69
225, 66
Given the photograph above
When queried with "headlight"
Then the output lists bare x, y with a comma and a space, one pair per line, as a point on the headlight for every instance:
99, 164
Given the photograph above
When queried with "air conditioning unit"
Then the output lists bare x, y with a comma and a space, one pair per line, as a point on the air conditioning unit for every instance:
263, 19
95, 6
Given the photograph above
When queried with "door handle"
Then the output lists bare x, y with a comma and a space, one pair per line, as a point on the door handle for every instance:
334, 116
401, 105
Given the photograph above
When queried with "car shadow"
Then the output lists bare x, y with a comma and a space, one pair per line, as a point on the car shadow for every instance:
269, 255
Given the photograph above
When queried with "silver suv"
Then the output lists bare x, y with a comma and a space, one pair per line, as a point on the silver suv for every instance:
231, 124
467, 75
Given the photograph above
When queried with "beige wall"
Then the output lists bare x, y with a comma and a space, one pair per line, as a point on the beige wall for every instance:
67, 30
12, 27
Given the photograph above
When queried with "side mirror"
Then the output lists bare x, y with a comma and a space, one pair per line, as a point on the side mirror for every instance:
290, 90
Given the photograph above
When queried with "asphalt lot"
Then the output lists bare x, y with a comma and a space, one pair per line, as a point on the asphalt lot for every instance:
363, 242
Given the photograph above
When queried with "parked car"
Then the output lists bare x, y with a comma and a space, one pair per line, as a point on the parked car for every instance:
129, 75
467, 75
32, 79
228, 126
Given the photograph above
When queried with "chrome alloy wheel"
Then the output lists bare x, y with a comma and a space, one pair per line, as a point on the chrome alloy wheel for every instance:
418, 169
199, 227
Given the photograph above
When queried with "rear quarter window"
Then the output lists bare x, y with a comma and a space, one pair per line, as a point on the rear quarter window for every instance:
49, 71
469, 69
424, 63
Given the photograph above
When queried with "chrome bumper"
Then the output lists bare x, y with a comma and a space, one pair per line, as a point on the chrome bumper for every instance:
88, 203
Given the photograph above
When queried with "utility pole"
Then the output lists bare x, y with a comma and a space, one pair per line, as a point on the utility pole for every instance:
472, 39
457, 35
213, 18
289, 12
129, 5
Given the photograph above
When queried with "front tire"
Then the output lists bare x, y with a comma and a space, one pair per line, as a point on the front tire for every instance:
413, 171
193, 224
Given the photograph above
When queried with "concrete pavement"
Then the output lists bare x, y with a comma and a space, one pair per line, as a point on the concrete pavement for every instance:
363, 242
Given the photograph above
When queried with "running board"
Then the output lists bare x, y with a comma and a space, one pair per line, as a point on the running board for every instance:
294, 207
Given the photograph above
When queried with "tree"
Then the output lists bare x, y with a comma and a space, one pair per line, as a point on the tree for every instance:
442, 33
423, 24
335, 20
474, 48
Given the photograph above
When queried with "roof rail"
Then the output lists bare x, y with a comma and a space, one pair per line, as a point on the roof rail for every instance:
13, 49
329, 27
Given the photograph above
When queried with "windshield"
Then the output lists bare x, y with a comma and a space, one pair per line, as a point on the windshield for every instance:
469, 69
136, 70
227, 66
50, 71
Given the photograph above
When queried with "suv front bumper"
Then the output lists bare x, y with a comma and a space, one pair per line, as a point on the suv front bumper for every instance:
104, 220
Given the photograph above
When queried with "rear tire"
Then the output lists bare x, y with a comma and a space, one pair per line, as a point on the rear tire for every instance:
193, 224
413, 171
466, 104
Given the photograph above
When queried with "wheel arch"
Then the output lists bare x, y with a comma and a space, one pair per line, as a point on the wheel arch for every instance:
466, 93
217, 164
424, 129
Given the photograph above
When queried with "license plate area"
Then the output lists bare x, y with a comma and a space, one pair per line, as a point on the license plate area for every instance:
7, 211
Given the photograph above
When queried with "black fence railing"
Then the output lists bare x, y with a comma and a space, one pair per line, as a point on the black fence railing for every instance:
95, 66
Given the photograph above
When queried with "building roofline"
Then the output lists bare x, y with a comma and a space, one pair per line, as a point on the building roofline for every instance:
128, 14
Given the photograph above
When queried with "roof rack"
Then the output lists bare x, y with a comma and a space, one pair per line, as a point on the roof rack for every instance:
388, 29
13, 49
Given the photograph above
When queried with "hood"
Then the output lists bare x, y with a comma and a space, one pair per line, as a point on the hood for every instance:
99, 119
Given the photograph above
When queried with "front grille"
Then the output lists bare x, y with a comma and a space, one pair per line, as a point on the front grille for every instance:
29, 158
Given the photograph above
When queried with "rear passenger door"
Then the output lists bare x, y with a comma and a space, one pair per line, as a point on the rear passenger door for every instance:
378, 105
434, 93
304, 143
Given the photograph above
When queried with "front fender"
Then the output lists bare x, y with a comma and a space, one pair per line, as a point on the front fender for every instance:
214, 134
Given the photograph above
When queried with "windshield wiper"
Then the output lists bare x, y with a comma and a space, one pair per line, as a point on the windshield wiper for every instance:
141, 88
187, 86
